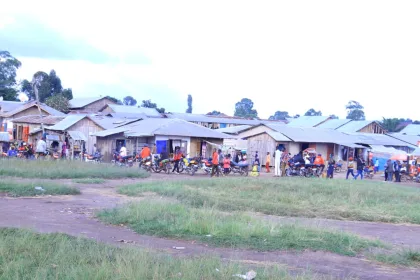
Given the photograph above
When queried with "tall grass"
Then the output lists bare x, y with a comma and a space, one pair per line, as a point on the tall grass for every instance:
26, 255
405, 257
335, 199
211, 226
66, 170
17, 189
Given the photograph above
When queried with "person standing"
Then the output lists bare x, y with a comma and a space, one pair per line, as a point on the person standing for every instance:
257, 160
215, 163
376, 168
41, 147
177, 158
360, 167
154, 149
397, 171
284, 161
331, 164
389, 170
277, 161
226, 165
267, 162
64, 150
350, 168
123, 151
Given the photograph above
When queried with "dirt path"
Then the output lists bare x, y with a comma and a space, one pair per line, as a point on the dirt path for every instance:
74, 215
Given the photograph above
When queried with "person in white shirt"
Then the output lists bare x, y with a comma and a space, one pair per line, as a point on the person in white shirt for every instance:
123, 151
41, 147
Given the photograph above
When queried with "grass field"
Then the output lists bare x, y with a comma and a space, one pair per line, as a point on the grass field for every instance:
216, 228
405, 257
28, 189
88, 181
334, 199
27, 255
65, 170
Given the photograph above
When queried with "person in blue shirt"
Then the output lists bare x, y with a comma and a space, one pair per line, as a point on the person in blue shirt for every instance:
12, 152
397, 170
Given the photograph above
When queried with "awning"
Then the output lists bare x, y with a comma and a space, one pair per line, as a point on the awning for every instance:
386, 150
214, 144
416, 152
4, 137
77, 135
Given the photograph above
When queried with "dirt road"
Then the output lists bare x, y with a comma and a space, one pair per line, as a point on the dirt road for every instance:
74, 215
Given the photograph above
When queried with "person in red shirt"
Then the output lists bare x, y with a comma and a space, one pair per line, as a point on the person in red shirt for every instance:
145, 152
320, 161
215, 162
226, 165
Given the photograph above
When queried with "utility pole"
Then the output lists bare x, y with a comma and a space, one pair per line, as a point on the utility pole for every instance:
35, 83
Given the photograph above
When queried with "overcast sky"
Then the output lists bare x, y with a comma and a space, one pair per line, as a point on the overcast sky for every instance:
284, 55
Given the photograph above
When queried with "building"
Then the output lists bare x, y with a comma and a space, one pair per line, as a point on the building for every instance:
89, 105
26, 125
166, 134
216, 122
411, 129
130, 112
309, 121
11, 111
373, 127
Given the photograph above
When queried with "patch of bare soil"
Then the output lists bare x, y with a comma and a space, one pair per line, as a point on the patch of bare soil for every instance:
74, 215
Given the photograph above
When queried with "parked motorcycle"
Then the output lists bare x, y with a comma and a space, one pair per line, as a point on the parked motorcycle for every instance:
295, 169
367, 173
190, 166
96, 158
163, 165
146, 164
313, 171
338, 167
239, 168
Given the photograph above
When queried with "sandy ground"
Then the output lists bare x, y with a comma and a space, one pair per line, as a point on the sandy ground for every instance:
74, 215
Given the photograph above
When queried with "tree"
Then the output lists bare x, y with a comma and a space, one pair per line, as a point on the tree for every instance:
117, 101
58, 102
355, 111
40, 80
26, 88
67, 93
214, 113
149, 104
311, 112
189, 100
8, 68
333, 117
55, 83
244, 109
279, 115
296, 116
129, 101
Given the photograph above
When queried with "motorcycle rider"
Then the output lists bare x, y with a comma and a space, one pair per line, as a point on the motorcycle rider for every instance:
320, 161
145, 154
215, 163
177, 158
12, 152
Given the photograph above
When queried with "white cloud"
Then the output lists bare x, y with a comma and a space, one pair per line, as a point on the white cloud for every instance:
284, 55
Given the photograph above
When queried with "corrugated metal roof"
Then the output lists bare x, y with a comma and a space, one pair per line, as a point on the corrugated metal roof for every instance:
211, 119
121, 109
386, 150
25, 106
172, 127
416, 152
233, 129
112, 131
36, 119
376, 139
4, 137
354, 126
333, 123
308, 121
69, 121
279, 137
77, 135
109, 122
412, 139
7, 106
128, 116
77, 103
411, 129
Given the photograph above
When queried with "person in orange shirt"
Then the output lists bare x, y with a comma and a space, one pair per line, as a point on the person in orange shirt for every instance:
226, 164
145, 152
215, 162
267, 162
177, 158
320, 161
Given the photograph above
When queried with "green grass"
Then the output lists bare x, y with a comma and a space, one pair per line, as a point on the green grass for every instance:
27, 255
406, 257
175, 220
66, 170
296, 197
17, 189
89, 181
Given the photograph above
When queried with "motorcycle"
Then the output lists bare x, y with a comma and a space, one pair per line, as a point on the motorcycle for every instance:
239, 168
313, 171
164, 165
367, 173
295, 169
338, 167
122, 161
96, 158
146, 164
190, 166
